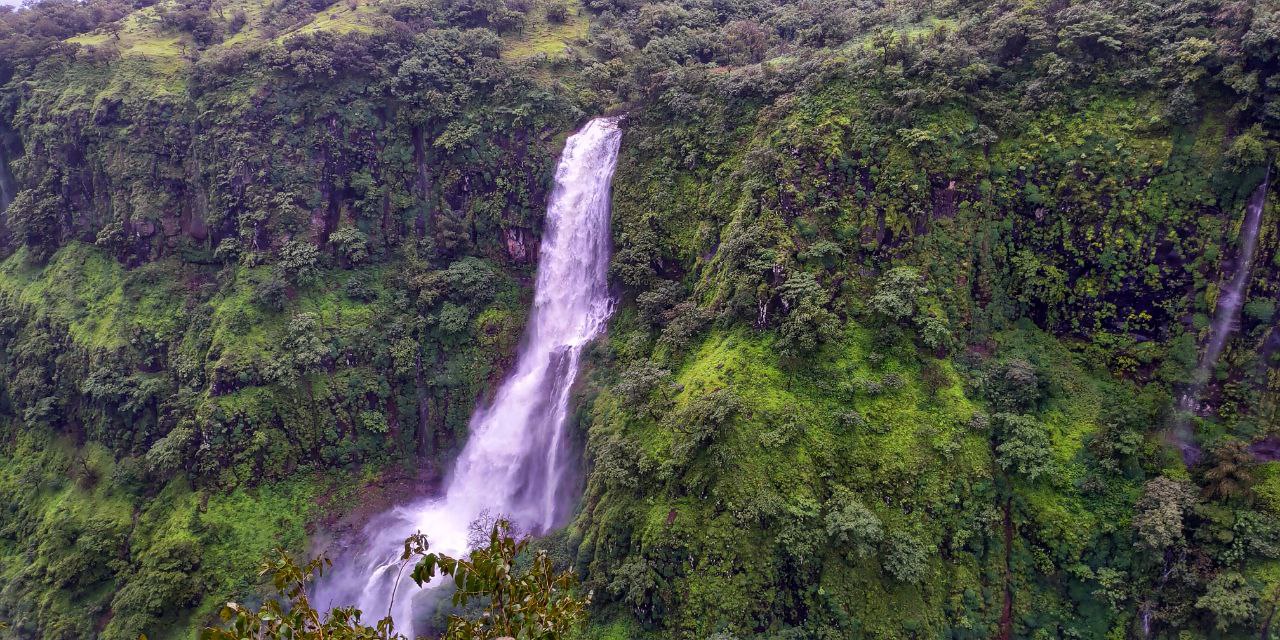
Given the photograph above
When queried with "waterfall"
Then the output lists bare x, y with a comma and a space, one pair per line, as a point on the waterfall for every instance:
8, 187
1226, 320
514, 462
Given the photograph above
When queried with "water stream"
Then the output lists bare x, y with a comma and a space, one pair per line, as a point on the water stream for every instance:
1226, 320
515, 462
8, 186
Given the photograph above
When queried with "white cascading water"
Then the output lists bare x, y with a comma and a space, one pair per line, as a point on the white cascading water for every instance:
515, 462
1226, 320
8, 188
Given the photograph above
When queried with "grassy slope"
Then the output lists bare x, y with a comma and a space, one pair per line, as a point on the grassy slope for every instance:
1113, 164
93, 295
101, 304
232, 532
542, 38
907, 458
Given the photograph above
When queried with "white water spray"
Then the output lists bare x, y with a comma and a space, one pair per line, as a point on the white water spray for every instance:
1226, 320
515, 461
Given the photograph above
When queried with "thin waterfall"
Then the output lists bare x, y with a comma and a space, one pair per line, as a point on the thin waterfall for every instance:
1226, 320
515, 462
8, 186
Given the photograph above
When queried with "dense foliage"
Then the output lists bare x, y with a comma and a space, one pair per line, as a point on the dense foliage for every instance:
910, 292
531, 602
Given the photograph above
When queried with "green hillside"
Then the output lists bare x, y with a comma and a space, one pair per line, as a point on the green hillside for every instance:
909, 293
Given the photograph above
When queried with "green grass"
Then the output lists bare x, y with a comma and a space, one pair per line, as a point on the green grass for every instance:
777, 459
151, 59
56, 527
243, 330
745, 500
92, 294
342, 17
542, 38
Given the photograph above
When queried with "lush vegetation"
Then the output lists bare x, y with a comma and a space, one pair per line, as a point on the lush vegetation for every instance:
525, 600
909, 293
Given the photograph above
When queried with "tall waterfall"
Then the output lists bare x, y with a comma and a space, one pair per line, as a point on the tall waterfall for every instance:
514, 462
1226, 319
8, 187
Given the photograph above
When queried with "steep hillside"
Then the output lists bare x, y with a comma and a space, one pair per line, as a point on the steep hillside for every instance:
967, 444
913, 304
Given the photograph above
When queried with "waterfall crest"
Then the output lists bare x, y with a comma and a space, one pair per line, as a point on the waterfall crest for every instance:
514, 462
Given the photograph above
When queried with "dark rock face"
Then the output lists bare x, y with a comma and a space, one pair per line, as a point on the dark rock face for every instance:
518, 249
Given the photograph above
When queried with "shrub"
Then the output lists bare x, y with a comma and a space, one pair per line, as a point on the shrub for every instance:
897, 293
1158, 517
1023, 445
351, 243
906, 557
271, 293
637, 384
1231, 600
852, 525
1014, 386
299, 262
557, 13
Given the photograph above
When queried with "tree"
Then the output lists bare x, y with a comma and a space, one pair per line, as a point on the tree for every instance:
1231, 600
351, 243
906, 557
1014, 386
299, 262
639, 382
851, 524
557, 13
533, 603
808, 322
304, 343
700, 421
271, 293
899, 297
1024, 445
37, 217
1160, 511
1229, 476
745, 41
296, 618
897, 293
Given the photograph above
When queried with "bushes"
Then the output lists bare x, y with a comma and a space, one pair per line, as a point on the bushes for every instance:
640, 588
638, 384
1230, 599
853, 526
808, 322
897, 293
1023, 445
557, 13
1013, 386
271, 293
906, 557
899, 297
697, 424
166, 580
1160, 512
299, 262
